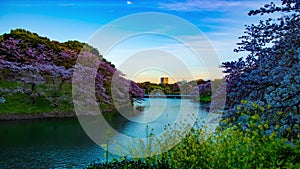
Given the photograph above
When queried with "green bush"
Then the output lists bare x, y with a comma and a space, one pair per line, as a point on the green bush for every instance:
233, 148
131, 164
251, 115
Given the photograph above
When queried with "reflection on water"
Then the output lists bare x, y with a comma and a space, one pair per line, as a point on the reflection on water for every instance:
45, 144
158, 113
63, 143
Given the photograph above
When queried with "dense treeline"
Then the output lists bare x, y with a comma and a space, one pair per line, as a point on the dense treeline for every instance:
177, 88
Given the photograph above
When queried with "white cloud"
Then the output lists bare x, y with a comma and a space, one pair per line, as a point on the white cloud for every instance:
209, 5
128, 2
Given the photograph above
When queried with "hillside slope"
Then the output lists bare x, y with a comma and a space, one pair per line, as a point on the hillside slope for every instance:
36, 74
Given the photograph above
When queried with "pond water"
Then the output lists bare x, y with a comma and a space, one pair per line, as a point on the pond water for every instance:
62, 143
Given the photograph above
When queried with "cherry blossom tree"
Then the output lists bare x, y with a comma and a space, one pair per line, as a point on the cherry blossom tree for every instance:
269, 75
41, 67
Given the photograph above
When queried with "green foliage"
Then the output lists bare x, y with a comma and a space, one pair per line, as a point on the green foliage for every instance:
73, 45
177, 88
167, 89
80, 47
32, 38
205, 99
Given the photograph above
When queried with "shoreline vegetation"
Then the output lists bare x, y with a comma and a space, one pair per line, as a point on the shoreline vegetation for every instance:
59, 115
35, 116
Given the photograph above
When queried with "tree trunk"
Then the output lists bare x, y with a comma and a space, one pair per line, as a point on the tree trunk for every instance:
32, 96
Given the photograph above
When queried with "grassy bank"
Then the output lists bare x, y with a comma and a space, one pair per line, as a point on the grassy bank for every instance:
21, 103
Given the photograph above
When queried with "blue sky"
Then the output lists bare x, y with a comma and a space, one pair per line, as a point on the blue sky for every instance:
221, 21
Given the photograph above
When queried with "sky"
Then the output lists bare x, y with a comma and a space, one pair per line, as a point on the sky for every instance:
178, 53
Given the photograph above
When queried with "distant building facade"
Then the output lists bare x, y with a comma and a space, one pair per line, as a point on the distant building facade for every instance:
164, 80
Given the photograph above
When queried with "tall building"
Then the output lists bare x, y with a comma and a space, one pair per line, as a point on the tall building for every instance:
164, 80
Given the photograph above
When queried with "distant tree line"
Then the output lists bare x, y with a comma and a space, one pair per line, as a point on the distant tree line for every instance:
182, 87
